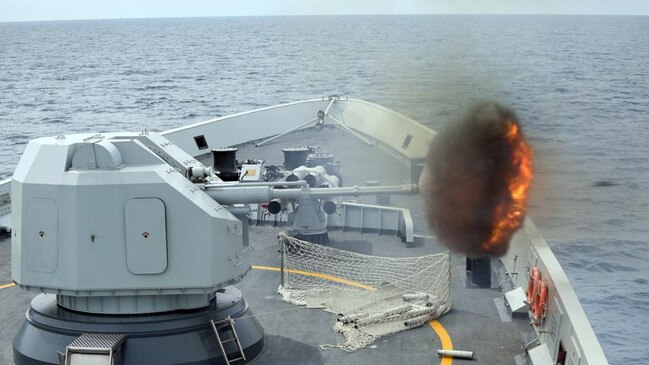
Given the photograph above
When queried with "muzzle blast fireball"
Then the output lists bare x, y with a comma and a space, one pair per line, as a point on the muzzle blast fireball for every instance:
476, 181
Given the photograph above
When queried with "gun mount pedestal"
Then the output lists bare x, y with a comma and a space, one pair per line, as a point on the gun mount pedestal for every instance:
127, 252
178, 337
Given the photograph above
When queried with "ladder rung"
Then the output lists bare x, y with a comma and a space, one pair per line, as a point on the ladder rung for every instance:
219, 323
223, 326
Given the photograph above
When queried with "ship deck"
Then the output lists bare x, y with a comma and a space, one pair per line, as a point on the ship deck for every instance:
478, 320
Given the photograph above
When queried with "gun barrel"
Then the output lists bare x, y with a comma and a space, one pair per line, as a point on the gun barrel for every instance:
242, 194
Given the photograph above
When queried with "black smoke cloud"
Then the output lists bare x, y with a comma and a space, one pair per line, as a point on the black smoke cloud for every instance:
468, 167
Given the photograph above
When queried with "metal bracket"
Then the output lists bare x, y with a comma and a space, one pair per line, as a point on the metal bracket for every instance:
236, 230
237, 260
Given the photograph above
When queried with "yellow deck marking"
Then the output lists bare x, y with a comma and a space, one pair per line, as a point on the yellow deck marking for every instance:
4, 286
318, 275
447, 344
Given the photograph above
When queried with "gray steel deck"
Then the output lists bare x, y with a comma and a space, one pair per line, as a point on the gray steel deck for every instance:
293, 334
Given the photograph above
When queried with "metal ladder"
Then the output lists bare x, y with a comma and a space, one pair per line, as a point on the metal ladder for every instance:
228, 323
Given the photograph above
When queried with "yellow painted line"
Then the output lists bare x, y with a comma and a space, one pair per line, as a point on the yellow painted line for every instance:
318, 275
447, 344
5, 286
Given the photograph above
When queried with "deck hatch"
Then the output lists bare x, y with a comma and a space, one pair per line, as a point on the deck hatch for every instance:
146, 236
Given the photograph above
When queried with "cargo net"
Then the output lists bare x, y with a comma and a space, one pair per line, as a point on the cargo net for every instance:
370, 296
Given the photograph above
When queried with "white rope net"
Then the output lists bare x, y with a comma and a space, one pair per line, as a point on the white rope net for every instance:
370, 296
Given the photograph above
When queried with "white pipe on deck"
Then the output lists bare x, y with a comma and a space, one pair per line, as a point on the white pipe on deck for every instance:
456, 354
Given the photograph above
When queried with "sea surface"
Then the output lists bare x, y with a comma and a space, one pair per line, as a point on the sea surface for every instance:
580, 85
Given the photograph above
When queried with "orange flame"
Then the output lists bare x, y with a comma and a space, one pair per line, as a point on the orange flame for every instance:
508, 215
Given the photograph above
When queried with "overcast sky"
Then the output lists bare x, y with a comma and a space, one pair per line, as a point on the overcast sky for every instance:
25, 10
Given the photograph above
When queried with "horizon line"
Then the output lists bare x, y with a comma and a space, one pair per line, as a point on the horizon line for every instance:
314, 15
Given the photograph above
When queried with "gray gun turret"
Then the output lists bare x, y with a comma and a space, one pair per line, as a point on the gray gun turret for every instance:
116, 223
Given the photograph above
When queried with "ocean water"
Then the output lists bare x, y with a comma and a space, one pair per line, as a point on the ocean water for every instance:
580, 85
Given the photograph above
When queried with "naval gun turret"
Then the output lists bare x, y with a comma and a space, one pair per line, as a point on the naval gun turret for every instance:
134, 246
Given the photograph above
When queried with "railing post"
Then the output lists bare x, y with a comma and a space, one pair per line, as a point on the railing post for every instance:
282, 257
